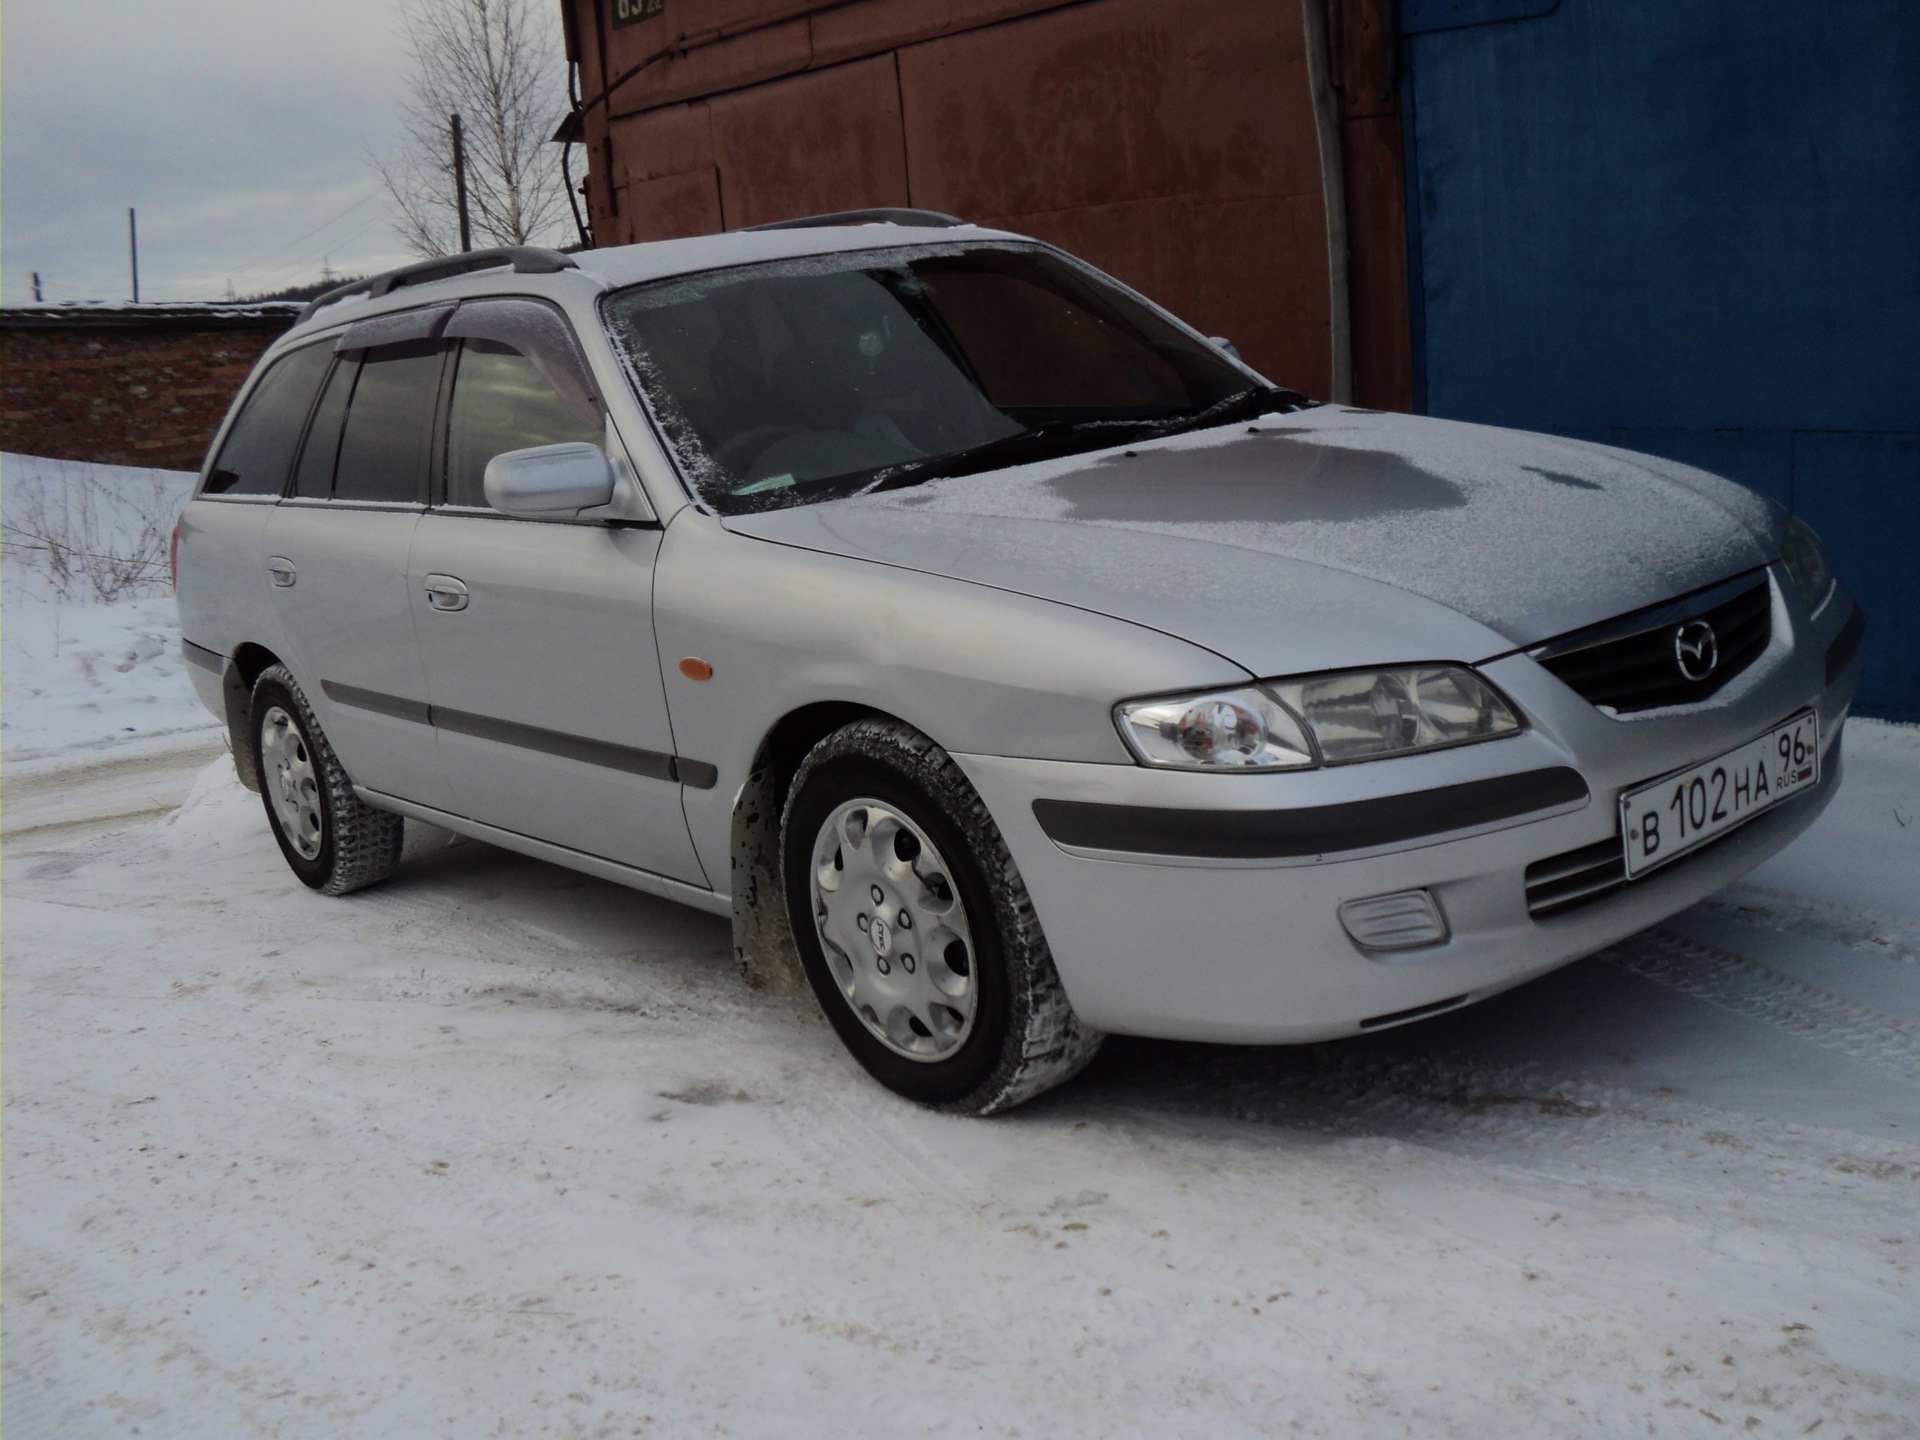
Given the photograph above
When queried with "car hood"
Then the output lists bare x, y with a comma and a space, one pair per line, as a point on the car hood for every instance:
1329, 537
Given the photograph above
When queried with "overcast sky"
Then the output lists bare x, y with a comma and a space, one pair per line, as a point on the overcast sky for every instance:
239, 129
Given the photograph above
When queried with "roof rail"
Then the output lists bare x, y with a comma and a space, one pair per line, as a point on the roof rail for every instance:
525, 259
927, 219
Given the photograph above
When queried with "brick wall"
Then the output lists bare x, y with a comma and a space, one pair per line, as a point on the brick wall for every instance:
126, 387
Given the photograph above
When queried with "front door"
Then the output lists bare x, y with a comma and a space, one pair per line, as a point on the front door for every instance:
538, 642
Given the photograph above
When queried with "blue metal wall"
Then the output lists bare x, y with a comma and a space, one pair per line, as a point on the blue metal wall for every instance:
1690, 227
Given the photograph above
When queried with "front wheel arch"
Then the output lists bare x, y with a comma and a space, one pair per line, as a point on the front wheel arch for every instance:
1022, 1036
762, 937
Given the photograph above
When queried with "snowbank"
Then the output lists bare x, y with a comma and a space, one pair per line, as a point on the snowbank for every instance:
89, 639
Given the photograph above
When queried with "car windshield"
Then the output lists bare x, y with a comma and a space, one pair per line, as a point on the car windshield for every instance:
796, 381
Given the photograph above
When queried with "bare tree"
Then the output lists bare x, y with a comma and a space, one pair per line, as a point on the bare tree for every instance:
496, 64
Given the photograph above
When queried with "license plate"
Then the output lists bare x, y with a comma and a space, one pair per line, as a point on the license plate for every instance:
1666, 819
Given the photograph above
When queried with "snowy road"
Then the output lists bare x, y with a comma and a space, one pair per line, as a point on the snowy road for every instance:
500, 1150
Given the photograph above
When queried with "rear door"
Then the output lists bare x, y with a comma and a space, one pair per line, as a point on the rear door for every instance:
336, 558
222, 587
538, 635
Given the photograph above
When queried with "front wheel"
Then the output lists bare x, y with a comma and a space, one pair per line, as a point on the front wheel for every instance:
916, 931
332, 841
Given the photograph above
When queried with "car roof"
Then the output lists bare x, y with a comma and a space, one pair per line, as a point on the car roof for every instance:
620, 265
662, 259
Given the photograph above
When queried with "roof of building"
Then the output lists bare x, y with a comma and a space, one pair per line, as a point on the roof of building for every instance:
123, 315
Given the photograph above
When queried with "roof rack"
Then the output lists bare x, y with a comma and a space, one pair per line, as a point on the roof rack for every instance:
525, 259
926, 219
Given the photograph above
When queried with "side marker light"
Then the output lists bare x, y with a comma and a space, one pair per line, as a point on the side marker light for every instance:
696, 669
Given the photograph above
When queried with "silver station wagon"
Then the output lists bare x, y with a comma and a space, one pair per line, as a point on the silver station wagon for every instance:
1045, 669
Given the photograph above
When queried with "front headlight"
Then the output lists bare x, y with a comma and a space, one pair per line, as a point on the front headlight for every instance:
1219, 730
1316, 719
1806, 561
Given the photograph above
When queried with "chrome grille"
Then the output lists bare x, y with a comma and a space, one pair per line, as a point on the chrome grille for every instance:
1630, 664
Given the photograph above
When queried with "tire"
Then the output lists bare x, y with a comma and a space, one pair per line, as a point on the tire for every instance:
332, 841
976, 1024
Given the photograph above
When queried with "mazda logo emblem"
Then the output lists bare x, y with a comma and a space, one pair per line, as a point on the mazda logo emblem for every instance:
1695, 650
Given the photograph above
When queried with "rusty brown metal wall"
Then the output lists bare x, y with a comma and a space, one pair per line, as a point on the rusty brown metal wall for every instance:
1360, 45
1173, 144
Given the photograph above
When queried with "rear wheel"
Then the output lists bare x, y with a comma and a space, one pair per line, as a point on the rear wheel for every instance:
916, 930
332, 841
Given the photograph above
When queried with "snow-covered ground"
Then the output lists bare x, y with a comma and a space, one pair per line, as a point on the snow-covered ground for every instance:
84, 677
500, 1150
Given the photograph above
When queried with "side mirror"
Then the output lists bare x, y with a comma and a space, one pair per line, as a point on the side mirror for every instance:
549, 481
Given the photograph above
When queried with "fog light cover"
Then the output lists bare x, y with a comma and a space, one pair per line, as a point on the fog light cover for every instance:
1404, 920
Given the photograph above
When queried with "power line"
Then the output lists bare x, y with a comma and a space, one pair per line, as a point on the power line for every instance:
276, 253
268, 280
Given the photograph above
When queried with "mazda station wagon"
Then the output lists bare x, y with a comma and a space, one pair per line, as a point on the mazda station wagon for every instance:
945, 612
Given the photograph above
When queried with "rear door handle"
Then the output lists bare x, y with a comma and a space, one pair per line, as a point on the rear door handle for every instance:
446, 592
280, 571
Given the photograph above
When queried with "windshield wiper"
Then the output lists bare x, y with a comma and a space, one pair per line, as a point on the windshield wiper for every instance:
1246, 404
1041, 442
1062, 437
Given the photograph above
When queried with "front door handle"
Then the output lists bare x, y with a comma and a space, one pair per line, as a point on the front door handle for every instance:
280, 571
446, 592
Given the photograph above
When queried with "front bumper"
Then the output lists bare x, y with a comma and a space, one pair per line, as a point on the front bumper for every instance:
1251, 950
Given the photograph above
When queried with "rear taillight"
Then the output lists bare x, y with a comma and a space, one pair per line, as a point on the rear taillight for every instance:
173, 558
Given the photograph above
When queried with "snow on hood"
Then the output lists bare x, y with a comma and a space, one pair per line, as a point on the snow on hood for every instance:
1332, 536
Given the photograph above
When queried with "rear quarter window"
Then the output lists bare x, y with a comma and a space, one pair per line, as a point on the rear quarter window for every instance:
259, 447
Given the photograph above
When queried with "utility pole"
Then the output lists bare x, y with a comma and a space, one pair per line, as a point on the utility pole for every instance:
133, 252
460, 184
36, 287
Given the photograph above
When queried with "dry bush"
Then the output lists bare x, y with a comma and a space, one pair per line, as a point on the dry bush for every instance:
90, 538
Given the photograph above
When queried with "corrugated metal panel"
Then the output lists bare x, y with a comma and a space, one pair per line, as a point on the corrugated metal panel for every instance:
1691, 229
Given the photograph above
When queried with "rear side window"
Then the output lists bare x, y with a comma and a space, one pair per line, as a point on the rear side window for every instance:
313, 476
260, 446
388, 439
501, 402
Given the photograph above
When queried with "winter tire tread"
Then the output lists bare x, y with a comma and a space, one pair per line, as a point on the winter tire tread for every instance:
362, 845
1044, 1043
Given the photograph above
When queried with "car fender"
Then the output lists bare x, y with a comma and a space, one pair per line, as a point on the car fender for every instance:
777, 628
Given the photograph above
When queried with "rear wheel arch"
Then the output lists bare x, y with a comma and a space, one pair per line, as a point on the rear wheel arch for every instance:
243, 668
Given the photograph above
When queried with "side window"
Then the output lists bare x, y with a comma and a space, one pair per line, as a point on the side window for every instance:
260, 446
501, 402
388, 439
313, 476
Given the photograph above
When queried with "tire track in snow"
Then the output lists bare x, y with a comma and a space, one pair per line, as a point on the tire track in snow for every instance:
1745, 987
1599, 1136
1863, 932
